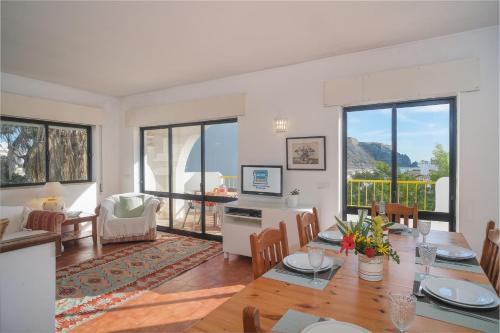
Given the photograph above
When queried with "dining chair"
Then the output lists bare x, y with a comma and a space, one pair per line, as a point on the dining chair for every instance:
308, 226
268, 249
490, 257
251, 320
395, 212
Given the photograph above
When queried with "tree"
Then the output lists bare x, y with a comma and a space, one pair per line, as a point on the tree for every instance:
440, 159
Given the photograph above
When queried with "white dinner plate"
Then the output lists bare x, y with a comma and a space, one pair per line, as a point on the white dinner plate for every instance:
454, 252
465, 306
300, 261
332, 235
333, 326
458, 291
398, 227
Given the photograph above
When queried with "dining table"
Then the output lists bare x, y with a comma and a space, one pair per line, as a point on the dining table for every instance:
346, 297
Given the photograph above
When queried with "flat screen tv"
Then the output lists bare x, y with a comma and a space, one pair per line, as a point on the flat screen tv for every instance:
262, 180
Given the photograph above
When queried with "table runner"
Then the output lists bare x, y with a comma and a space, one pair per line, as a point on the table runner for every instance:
469, 265
483, 320
282, 273
295, 321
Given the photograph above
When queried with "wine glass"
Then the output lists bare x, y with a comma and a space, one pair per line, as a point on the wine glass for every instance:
424, 227
315, 255
427, 255
403, 308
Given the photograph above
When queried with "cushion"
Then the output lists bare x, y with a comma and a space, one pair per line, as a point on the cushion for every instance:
130, 206
17, 215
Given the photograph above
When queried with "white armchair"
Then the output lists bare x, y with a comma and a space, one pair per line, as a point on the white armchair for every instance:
113, 229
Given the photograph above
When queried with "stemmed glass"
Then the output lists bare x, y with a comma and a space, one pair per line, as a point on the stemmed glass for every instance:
424, 227
427, 255
403, 309
315, 255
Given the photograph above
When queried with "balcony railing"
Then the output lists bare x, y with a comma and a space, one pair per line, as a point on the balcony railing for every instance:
361, 192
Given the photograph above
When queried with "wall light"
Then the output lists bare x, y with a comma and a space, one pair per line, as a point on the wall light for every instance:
280, 125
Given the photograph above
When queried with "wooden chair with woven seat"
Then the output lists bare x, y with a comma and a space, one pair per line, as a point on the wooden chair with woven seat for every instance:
490, 256
251, 320
268, 249
308, 226
395, 212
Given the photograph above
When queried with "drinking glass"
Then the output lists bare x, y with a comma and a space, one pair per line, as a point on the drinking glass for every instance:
402, 309
427, 255
424, 227
316, 255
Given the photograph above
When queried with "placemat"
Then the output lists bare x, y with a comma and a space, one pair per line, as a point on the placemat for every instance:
294, 321
469, 265
327, 245
282, 273
483, 320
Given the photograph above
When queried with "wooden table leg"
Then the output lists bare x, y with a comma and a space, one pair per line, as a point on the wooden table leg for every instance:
94, 230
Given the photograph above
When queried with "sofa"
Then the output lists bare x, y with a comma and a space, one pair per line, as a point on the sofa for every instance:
115, 229
24, 222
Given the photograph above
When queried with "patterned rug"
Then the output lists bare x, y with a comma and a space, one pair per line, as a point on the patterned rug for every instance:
89, 289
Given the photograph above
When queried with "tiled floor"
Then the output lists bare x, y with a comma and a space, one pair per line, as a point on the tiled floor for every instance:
173, 306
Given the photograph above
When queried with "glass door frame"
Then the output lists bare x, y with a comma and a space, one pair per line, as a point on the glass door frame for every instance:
171, 196
449, 217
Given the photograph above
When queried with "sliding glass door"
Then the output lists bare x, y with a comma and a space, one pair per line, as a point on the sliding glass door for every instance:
402, 153
193, 168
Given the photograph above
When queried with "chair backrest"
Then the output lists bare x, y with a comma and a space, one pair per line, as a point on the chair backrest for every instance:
3, 226
251, 320
490, 259
395, 212
308, 226
486, 245
268, 249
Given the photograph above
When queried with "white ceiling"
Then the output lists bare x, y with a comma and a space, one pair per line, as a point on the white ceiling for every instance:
123, 48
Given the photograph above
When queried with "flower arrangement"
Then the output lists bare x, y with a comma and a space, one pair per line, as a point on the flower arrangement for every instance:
295, 191
367, 237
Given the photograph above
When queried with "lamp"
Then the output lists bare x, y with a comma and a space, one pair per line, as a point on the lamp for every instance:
53, 191
280, 125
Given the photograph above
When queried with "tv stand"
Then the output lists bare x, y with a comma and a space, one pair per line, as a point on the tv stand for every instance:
242, 218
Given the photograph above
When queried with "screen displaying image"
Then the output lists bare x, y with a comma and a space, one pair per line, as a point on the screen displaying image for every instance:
265, 180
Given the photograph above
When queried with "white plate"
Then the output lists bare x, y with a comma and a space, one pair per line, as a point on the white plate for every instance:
465, 306
333, 235
398, 227
333, 326
300, 261
454, 252
459, 291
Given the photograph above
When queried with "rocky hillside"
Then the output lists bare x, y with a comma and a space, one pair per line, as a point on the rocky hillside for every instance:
362, 155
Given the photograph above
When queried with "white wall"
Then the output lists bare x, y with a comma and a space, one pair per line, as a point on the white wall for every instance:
83, 196
296, 92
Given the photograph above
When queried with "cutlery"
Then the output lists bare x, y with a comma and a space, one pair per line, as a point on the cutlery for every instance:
464, 313
419, 292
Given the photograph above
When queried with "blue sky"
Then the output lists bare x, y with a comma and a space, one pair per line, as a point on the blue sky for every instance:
419, 128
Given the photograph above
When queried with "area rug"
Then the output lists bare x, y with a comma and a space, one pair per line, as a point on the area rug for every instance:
87, 290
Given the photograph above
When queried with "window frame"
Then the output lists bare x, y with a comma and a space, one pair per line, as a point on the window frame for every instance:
46, 125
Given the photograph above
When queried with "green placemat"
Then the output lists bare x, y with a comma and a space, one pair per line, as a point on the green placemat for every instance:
469, 265
484, 320
295, 321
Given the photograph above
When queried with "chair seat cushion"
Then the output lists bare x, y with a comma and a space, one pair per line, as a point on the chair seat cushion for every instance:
119, 227
130, 206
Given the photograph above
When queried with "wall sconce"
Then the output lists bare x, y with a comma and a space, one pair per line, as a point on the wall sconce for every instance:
280, 125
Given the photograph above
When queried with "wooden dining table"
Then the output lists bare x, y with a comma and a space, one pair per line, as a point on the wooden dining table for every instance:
346, 297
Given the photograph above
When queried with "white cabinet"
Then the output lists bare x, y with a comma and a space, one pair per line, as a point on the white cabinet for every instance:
242, 218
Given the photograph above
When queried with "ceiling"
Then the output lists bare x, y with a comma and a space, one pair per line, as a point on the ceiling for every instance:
124, 48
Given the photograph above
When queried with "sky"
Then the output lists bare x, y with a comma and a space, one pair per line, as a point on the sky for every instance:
420, 128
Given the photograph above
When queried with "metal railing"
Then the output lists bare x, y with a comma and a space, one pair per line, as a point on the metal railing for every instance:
361, 192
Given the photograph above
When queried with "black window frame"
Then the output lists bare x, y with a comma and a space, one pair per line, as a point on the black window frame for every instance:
172, 195
46, 125
449, 217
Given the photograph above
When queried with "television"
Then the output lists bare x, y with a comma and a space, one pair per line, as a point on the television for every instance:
262, 180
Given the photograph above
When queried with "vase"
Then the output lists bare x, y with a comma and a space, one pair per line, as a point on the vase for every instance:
292, 201
371, 269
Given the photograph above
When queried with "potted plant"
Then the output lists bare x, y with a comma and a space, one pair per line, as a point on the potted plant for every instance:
293, 198
366, 238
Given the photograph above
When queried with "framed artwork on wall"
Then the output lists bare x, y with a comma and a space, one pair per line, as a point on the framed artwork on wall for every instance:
306, 153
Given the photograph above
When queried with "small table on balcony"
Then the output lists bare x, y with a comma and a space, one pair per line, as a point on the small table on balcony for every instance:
77, 233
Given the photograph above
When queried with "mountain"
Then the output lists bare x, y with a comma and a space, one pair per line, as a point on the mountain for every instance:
362, 155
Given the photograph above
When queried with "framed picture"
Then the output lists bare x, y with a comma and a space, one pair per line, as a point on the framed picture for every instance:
306, 153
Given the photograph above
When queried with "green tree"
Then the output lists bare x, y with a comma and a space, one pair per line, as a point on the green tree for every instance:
440, 159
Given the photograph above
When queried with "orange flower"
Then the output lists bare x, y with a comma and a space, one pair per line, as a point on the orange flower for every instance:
347, 244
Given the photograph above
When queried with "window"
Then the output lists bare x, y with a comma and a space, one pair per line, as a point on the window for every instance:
194, 168
402, 153
33, 152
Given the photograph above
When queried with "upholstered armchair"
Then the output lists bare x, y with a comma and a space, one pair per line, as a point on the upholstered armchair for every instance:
48, 221
114, 229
